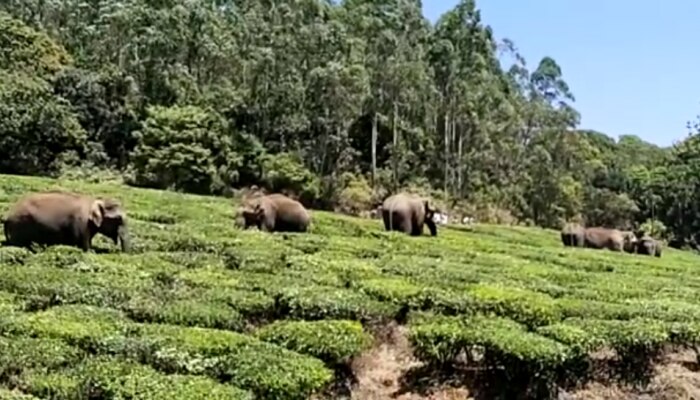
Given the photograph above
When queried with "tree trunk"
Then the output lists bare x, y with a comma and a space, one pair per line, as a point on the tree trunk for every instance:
395, 152
446, 133
455, 163
460, 144
374, 148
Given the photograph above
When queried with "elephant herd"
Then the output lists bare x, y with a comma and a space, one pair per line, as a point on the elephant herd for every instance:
71, 219
575, 235
64, 218
401, 212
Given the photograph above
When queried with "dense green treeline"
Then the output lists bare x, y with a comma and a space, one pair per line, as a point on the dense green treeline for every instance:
337, 103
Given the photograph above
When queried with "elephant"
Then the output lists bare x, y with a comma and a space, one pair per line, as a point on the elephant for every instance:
64, 218
276, 213
408, 213
611, 239
572, 235
647, 245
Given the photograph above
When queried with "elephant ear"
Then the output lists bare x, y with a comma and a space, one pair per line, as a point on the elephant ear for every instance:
428, 209
111, 209
97, 212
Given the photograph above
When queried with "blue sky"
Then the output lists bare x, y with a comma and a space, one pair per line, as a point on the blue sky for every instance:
632, 64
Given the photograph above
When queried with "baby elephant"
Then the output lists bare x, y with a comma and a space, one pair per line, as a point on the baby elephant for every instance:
61, 218
276, 213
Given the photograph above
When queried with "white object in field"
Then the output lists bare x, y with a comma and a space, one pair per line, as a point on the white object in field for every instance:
440, 218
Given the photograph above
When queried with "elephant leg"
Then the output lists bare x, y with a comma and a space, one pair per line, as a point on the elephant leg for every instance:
387, 226
406, 226
84, 242
269, 224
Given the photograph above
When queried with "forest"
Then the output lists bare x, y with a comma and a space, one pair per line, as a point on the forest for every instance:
339, 103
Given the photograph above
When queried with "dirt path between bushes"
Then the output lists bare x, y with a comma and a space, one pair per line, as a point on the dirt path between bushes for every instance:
380, 371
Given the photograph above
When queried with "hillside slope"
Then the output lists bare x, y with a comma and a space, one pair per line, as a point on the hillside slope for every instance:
201, 309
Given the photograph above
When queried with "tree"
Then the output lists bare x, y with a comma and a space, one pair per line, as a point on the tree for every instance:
184, 148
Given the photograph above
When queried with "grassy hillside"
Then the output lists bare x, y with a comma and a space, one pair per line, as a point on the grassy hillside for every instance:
201, 309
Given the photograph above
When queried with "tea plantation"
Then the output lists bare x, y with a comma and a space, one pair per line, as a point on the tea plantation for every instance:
203, 310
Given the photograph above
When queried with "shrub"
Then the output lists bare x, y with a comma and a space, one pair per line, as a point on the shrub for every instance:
38, 131
268, 370
84, 326
333, 341
184, 148
395, 290
285, 172
530, 308
190, 312
355, 197
106, 105
58, 257
321, 302
7, 394
248, 303
103, 377
14, 255
62, 286
638, 342
25, 49
507, 343
21, 354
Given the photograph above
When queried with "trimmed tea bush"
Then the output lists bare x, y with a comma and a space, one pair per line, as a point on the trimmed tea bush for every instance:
268, 370
7, 394
103, 377
334, 341
201, 306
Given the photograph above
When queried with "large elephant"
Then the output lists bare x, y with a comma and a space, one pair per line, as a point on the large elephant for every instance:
611, 239
276, 213
408, 213
647, 245
572, 235
62, 218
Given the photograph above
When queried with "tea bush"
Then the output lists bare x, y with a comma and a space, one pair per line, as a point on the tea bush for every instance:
334, 341
103, 377
7, 394
203, 308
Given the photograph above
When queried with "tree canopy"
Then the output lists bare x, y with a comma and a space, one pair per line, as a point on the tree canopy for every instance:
323, 98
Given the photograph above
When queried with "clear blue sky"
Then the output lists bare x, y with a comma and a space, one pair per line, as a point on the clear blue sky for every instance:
632, 65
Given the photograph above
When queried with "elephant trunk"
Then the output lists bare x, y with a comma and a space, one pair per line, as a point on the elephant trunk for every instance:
124, 238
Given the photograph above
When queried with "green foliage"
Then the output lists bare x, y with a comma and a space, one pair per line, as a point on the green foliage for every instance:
184, 148
23, 354
186, 312
38, 132
110, 378
279, 315
441, 340
7, 394
268, 370
106, 105
285, 172
318, 302
334, 341
197, 97
24, 49
83, 326
532, 309
355, 197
